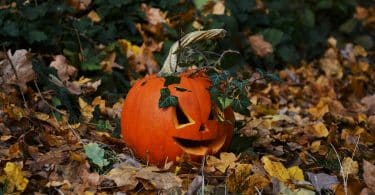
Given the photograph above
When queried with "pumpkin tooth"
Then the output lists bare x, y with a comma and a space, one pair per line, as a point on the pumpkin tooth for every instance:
200, 148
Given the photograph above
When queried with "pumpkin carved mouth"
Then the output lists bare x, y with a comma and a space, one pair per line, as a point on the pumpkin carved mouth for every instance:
200, 147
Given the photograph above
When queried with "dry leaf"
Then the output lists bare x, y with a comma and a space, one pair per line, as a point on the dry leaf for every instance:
227, 160
319, 130
124, 176
141, 58
275, 169
94, 17
349, 166
64, 70
15, 176
331, 65
256, 181
369, 174
152, 180
322, 181
21, 60
261, 47
154, 15
219, 8
320, 109
296, 173
86, 109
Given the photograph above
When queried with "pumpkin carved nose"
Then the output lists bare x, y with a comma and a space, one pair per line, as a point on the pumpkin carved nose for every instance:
202, 128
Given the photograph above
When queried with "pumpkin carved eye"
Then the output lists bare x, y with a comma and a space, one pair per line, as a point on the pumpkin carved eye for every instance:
181, 119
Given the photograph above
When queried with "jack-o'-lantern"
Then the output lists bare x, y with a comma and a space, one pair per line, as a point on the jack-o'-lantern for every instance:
157, 135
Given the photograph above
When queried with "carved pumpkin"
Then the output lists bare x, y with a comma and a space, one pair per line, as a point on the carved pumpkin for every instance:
157, 135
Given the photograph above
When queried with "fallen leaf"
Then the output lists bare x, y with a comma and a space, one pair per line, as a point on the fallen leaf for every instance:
296, 173
349, 166
320, 109
64, 70
320, 130
299, 191
15, 176
369, 174
261, 47
124, 176
219, 8
237, 180
21, 60
227, 160
141, 58
322, 181
86, 109
331, 65
154, 15
96, 154
256, 182
275, 169
94, 17
152, 180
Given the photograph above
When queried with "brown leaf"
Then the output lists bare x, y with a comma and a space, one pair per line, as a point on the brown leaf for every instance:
21, 60
261, 47
94, 17
369, 174
219, 8
154, 15
124, 176
331, 65
152, 180
227, 160
64, 70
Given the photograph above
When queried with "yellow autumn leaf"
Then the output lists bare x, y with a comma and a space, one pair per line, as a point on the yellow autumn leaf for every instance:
86, 109
94, 17
320, 130
320, 109
130, 49
15, 176
296, 173
275, 169
350, 166
98, 101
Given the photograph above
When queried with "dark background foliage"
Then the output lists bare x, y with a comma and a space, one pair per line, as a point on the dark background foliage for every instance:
297, 30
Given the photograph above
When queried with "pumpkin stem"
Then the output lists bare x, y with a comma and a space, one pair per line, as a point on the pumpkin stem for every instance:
170, 64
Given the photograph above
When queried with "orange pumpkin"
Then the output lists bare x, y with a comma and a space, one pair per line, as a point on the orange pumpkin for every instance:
158, 134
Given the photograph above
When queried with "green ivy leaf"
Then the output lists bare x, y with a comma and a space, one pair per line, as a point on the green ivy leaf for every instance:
200, 3
96, 154
215, 79
272, 35
240, 106
37, 36
225, 102
308, 18
169, 80
166, 99
103, 125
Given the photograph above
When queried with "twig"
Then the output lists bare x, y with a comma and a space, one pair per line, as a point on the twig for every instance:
202, 172
15, 73
343, 175
45, 101
57, 110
